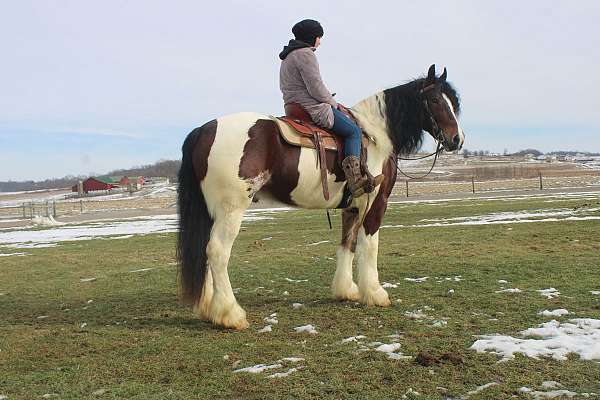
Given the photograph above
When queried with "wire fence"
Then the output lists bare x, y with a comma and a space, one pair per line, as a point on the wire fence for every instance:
105, 202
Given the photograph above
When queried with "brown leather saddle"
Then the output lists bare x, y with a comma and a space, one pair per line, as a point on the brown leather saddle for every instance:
298, 129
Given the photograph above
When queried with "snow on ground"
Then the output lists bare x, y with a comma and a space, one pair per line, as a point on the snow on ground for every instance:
513, 217
549, 394
549, 293
266, 329
481, 388
13, 254
550, 196
418, 280
510, 290
387, 285
353, 338
306, 328
259, 368
595, 292
271, 319
104, 228
551, 339
296, 280
559, 312
318, 243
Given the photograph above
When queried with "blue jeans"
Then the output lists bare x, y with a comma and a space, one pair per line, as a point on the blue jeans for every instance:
344, 127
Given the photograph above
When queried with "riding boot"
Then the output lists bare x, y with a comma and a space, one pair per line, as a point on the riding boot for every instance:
356, 182
372, 181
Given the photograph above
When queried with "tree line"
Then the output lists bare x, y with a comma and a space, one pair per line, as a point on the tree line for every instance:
162, 168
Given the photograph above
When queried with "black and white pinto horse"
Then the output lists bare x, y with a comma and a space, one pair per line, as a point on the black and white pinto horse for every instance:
234, 159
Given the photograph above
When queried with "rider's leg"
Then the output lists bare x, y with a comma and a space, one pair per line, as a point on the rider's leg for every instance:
344, 127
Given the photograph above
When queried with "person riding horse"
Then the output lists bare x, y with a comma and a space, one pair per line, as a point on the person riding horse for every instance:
300, 82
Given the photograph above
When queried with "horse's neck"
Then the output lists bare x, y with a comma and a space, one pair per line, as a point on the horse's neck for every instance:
370, 115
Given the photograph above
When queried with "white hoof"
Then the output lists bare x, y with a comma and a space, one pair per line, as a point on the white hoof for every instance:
378, 297
232, 316
349, 293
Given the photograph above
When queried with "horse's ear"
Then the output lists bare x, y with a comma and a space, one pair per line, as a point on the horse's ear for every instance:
431, 74
444, 75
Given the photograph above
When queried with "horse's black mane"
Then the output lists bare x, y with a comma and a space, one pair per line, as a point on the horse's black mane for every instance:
403, 108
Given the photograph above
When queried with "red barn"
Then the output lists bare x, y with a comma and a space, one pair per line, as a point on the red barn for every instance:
97, 183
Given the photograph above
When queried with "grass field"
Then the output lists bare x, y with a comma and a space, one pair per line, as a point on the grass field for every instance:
124, 335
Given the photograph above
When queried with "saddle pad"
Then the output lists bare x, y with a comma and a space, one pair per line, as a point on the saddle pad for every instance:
296, 138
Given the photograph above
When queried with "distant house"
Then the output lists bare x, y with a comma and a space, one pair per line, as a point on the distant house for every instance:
135, 182
97, 183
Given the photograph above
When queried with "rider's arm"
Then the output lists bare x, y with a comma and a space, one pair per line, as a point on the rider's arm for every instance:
311, 75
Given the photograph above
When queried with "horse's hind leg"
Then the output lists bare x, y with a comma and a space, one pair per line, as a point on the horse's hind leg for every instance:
343, 287
223, 308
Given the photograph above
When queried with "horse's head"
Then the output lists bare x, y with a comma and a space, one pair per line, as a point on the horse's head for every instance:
440, 110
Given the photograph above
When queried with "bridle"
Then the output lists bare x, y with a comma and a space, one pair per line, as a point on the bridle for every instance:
438, 135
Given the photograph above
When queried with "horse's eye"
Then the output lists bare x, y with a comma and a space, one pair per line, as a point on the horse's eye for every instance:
435, 100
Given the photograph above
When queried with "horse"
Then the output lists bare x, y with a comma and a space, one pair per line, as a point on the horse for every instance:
235, 159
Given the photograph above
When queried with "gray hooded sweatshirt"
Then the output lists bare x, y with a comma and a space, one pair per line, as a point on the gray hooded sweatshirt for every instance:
300, 82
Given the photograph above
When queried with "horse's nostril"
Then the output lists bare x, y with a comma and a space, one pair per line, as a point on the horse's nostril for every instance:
456, 140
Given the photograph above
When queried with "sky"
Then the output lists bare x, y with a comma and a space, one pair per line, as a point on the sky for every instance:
91, 86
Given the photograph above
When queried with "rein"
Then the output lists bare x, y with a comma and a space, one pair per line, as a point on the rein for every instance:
438, 136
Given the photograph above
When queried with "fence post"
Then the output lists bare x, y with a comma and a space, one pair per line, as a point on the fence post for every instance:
407, 188
32, 209
54, 208
541, 186
473, 183
81, 206
47, 209
24, 215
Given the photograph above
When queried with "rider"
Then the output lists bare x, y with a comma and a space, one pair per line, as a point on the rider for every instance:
300, 82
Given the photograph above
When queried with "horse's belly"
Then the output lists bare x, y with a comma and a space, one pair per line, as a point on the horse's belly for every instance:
309, 190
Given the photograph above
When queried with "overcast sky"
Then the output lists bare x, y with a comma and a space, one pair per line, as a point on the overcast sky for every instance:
90, 86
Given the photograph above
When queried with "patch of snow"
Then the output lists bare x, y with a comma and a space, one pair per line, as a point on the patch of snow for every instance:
296, 306
87, 279
549, 293
318, 243
296, 280
387, 285
306, 328
291, 359
552, 339
142, 270
13, 254
547, 395
418, 280
388, 348
595, 292
257, 369
120, 237
45, 221
439, 323
284, 374
559, 312
502, 281
550, 385
353, 338
451, 291
266, 329
271, 319
481, 388
514, 290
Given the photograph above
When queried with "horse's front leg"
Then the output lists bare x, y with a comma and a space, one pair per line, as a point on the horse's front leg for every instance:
343, 287
370, 291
